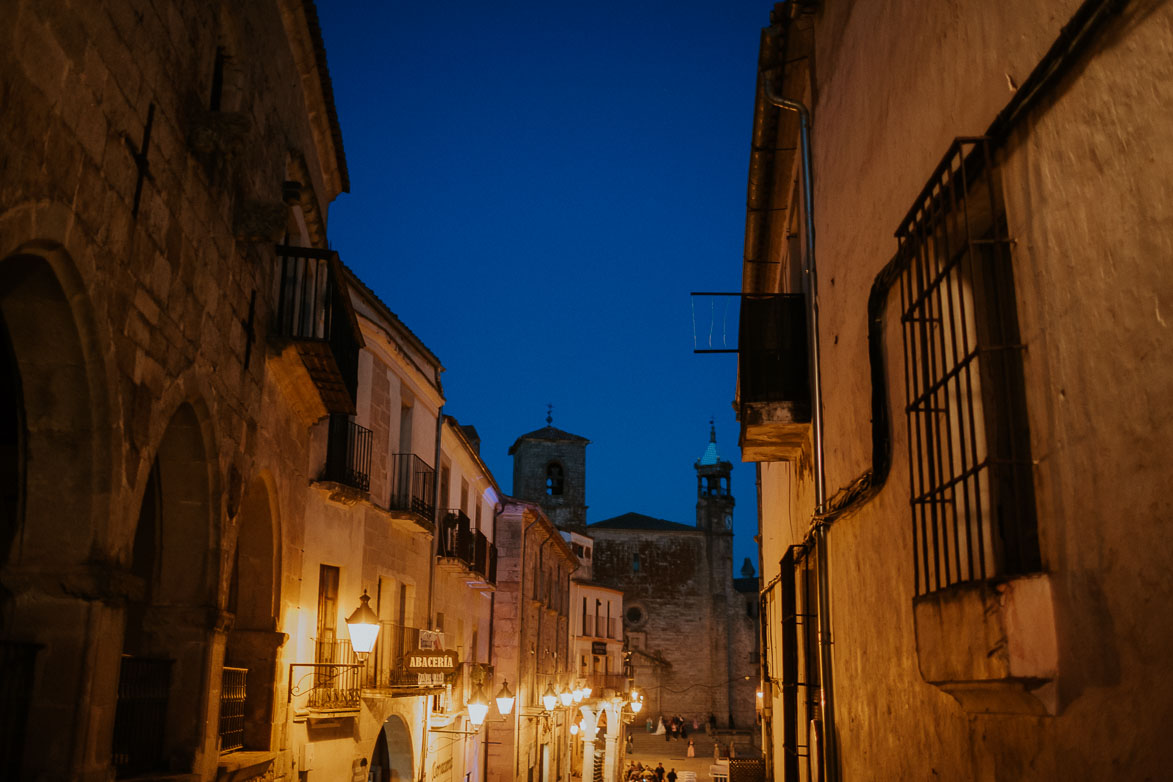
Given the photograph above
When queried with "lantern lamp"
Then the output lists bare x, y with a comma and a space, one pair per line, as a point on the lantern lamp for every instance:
505, 699
478, 708
574, 729
549, 698
567, 697
363, 626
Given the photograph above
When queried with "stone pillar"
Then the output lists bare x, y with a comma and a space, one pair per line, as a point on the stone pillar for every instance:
610, 772
588, 759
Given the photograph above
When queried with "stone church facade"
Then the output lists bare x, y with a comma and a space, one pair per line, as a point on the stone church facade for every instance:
691, 635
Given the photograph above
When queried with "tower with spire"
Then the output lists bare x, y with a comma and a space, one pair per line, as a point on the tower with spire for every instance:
714, 490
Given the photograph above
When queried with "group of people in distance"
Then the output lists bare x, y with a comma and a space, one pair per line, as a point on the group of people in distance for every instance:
638, 772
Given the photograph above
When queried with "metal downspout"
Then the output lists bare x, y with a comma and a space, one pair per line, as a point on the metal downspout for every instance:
810, 275
432, 577
521, 612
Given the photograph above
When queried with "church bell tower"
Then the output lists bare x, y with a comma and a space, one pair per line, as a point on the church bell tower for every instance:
714, 490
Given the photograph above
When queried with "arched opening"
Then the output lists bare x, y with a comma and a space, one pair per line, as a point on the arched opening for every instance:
398, 762
170, 620
11, 443
253, 598
46, 476
555, 479
47, 493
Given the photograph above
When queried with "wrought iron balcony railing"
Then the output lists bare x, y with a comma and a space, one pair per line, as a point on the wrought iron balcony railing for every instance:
413, 485
17, 673
314, 310
232, 699
140, 715
337, 676
457, 540
348, 453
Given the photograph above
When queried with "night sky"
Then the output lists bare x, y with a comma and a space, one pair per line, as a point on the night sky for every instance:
535, 190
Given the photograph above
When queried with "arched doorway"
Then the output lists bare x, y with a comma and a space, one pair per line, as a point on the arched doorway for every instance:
393, 759
161, 712
48, 486
253, 599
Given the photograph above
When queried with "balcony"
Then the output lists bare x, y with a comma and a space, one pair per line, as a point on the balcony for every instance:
467, 551
600, 682
332, 683
774, 405
348, 453
413, 485
484, 564
17, 673
140, 715
457, 546
318, 333
600, 627
386, 667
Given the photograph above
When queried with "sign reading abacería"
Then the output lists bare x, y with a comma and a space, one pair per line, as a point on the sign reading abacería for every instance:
432, 661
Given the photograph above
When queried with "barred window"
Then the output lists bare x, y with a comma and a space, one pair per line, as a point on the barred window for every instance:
968, 438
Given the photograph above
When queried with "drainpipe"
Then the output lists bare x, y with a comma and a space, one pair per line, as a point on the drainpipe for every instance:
432, 580
810, 275
521, 611
436, 517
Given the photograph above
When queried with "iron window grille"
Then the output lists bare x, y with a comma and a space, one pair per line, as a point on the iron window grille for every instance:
968, 440
233, 689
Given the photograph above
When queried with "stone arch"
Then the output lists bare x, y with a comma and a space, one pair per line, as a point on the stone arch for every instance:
171, 618
254, 600
52, 432
400, 755
55, 479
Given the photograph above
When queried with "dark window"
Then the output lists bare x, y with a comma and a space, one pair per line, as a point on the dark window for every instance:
969, 457
554, 479
635, 563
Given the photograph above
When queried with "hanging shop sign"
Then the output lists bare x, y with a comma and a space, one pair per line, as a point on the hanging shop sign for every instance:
432, 660
598, 647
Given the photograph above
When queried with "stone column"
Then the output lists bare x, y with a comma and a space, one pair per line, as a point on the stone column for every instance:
588, 759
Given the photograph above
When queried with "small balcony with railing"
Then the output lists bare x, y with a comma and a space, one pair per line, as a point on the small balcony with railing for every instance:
601, 682
599, 626
337, 680
412, 495
348, 453
768, 332
466, 551
316, 332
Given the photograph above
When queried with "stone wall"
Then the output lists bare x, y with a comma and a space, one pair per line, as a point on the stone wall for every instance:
1083, 176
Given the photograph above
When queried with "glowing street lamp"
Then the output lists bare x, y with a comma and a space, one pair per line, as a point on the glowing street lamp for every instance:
478, 708
578, 696
505, 699
586, 690
574, 729
567, 697
363, 625
549, 698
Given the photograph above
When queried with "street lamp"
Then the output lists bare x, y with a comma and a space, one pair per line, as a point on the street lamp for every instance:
578, 694
363, 625
549, 698
478, 707
505, 699
567, 697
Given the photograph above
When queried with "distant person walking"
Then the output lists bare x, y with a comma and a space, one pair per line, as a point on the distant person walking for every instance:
659, 772
691, 749
672, 775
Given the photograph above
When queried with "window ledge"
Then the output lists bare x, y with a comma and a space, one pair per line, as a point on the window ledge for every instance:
991, 645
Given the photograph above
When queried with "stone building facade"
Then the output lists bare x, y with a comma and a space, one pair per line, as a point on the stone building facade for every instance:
214, 437
532, 646
968, 513
692, 645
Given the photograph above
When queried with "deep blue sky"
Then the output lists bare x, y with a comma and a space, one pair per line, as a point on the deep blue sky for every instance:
536, 187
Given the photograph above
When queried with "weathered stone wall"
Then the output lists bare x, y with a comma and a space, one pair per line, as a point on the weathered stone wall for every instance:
1084, 178
530, 459
691, 617
152, 307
